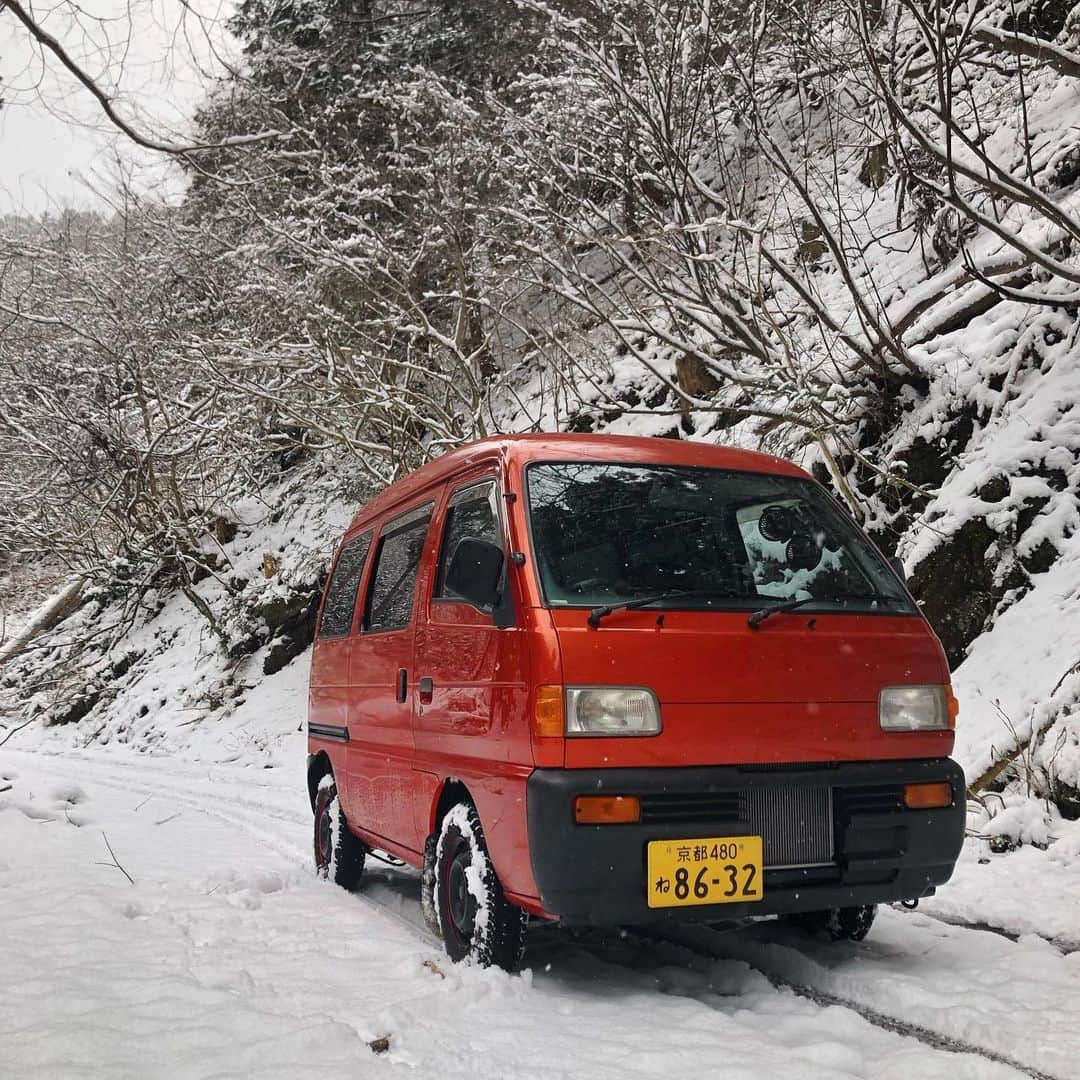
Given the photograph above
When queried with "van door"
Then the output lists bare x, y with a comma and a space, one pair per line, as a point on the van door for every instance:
328, 688
380, 711
471, 674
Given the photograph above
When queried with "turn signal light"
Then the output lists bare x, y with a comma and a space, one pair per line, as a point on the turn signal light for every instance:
952, 704
927, 796
549, 718
606, 809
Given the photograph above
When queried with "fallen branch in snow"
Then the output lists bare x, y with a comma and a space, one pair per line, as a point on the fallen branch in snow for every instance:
115, 862
1061, 60
6, 787
25, 723
989, 775
910, 311
996, 768
45, 618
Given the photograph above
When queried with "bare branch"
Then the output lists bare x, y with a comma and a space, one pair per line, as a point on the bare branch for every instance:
53, 45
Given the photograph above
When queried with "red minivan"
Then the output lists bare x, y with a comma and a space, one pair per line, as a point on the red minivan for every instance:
613, 681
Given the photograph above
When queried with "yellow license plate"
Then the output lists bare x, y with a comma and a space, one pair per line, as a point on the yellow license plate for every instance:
714, 870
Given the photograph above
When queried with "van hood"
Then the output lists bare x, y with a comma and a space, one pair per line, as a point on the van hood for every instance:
801, 687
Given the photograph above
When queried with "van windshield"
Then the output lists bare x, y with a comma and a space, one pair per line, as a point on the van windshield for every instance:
605, 533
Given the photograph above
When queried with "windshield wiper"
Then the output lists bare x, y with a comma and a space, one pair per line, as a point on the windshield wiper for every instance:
762, 614
604, 610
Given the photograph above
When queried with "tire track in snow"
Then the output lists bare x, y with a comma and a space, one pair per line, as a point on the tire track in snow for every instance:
251, 816
300, 855
936, 1040
245, 814
1062, 946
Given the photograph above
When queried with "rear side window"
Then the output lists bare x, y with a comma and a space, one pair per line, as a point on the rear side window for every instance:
473, 512
397, 563
341, 593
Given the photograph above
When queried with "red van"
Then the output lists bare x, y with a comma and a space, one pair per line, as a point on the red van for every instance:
613, 680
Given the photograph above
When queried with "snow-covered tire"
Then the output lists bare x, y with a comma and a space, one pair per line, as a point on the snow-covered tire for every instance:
850, 923
339, 855
466, 898
841, 924
427, 886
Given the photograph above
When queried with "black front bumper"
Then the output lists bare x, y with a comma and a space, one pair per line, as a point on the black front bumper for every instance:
596, 874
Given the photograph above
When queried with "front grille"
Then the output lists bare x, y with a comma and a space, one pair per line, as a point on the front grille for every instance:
789, 766
795, 822
875, 799
720, 807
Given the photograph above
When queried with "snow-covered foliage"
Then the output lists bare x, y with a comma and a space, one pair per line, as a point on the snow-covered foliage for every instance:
161, 678
845, 234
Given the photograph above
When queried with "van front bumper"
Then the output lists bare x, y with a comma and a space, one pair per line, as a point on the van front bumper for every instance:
880, 851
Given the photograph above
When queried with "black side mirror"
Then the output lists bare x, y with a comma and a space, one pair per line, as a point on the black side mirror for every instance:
475, 572
898, 568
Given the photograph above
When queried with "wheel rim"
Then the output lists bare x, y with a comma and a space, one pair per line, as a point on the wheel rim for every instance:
460, 902
323, 837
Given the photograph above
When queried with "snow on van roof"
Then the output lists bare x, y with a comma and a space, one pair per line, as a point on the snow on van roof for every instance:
536, 446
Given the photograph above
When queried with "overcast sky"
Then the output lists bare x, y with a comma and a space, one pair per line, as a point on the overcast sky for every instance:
156, 58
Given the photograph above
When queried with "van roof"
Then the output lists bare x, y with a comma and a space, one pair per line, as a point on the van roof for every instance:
544, 446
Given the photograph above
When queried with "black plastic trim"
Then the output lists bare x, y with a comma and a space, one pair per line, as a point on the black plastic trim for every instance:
595, 874
330, 732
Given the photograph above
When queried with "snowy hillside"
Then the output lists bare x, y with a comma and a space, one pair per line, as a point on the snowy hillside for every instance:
180, 767
161, 678
847, 236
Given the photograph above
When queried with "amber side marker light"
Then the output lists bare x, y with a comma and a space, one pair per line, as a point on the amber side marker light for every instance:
606, 809
549, 718
952, 704
927, 796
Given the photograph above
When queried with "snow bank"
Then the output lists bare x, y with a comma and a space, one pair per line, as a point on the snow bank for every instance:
226, 956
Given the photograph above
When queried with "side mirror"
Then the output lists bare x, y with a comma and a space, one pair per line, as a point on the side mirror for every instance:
475, 572
898, 568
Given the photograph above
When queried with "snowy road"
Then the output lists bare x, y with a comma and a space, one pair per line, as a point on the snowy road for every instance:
227, 958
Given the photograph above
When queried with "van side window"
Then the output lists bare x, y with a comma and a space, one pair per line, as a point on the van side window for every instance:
473, 512
341, 592
397, 562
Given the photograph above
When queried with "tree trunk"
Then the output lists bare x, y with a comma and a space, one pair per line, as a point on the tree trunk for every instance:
45, 618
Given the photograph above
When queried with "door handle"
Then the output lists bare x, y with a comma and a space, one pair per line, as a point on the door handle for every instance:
402, 684
427, 689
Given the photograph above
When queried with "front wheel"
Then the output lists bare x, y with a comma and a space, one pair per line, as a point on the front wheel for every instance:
463, 893
339, 855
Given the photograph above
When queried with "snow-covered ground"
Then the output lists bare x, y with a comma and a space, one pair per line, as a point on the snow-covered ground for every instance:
226, 957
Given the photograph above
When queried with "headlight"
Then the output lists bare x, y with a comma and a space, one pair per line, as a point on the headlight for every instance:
913, 708
611, 710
